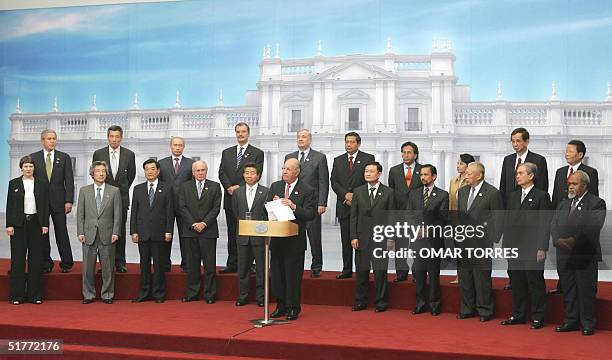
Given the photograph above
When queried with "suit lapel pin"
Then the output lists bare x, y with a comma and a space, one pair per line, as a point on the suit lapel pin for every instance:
246, 156
159, 190
530, 199
416, 173
16, 190
296, 193
379, 194
579, 207
307, 159
480, 194
205, 188
358, 161
433, 194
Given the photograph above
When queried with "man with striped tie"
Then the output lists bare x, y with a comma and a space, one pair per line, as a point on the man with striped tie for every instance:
233, 160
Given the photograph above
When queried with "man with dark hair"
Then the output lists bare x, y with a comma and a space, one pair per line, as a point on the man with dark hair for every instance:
151, 226
575, 232
368, 200
574, 155
122, 171
250, 199
403, 178
507, 183
428, 206
314, 172
231, 177
55, 168
347, 174
175, 170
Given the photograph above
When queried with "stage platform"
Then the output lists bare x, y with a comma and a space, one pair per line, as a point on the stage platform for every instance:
326, 329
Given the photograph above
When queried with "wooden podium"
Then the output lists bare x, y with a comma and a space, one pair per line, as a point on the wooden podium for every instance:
267, 229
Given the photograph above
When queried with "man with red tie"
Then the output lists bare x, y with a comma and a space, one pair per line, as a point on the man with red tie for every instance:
347, 174
403, 178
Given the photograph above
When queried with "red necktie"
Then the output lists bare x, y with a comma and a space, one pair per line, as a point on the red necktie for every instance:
176, 166
570, 172
287, 191
408, 177
350, 162
518, 163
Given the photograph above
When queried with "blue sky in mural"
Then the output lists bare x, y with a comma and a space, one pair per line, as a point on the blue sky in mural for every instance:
198, 47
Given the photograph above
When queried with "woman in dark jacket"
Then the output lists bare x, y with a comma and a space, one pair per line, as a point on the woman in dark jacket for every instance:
27, 219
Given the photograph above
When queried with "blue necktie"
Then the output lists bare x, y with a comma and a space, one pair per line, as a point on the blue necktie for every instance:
239, 158
151, 195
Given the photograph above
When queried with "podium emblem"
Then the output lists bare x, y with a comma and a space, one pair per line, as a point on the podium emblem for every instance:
261, 228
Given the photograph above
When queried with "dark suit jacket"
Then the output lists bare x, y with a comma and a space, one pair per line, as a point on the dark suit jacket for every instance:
231, 174
205, 210
152, 222
240, 206
344, 180
14, 202
361, 211
61, 184
527, 225
397, 181
485, 211
584, 225
166, 174
507, 183
126, 171
315, 173
435, 213
560, 190
304, 199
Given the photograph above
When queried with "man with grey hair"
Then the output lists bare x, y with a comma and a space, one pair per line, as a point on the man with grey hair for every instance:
575, 232
98, 227
199, 204
314, 172
55, 168
527, 230
478, 203
175, 170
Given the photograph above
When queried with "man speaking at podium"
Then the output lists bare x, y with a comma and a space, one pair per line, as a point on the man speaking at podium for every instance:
287, 260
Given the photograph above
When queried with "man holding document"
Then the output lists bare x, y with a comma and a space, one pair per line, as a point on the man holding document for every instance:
287, 254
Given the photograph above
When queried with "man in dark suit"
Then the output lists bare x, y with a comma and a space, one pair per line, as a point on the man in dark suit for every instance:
230, 175
55, 168
200, 203
151, 227
287, 254
250, 200
122, 171
478, 206
175, 170
527, 231
507, 183
371, 200
314, 172
347, 174
403, 178
574, 155
575, 231
428, 206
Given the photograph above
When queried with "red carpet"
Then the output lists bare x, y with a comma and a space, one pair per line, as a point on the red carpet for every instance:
326, 329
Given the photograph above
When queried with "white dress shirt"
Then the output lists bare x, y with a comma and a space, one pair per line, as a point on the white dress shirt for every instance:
29, 201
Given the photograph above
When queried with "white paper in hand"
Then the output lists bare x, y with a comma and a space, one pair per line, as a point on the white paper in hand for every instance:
278, 211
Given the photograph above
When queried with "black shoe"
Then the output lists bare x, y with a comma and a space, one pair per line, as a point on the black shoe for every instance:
380, 309
418, 310
16, 302
400, 278
486, 318
588, 332
188, 299
37, 302
253, 269
536, 324
210, 301
160, 301
66, 270
292, 314
184, 268
47, 270
565, 327
107, 301
465, 316
121, 269
241, 302
359, 307
315, 273
278, 312
88, 301
260, 303
141, 299
435, 312
555, 292
228, 270
513, 321
344, 276
508, 287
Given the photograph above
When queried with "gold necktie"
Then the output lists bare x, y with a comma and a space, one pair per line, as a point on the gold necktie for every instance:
48, 166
